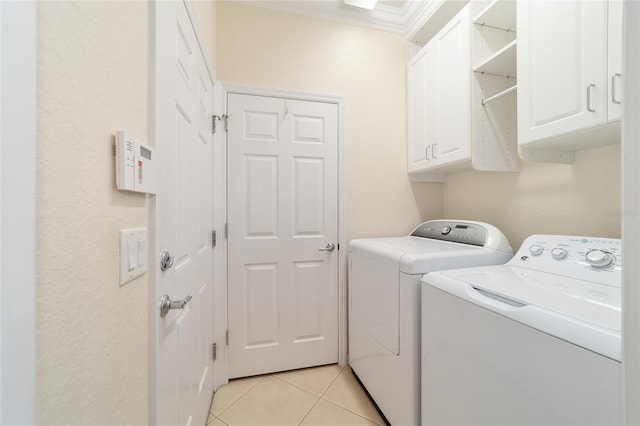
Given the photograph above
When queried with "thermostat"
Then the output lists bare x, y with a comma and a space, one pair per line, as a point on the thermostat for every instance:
135, 165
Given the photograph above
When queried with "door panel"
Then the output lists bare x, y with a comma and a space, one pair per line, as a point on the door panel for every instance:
184, 206
261, 196
614, 55
261, 305
420, 119
562, 59
308, 288
453, 85
283, 291
308, 200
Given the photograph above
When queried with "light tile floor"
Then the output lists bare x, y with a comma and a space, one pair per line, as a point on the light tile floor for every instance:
327, 395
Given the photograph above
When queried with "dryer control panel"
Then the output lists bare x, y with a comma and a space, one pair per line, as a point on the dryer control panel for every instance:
590, 258
464, 232
458, 232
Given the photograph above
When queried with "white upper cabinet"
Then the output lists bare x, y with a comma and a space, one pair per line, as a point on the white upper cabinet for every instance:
568, 67
615, 59
439, 100
451, 128
453, 142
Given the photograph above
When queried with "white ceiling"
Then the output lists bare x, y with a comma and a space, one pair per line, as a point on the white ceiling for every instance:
398, 16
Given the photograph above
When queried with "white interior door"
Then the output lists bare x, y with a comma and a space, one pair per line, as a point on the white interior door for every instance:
184, 220
282, 210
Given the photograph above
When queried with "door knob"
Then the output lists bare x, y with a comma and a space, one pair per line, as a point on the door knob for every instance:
166, 304
328, 247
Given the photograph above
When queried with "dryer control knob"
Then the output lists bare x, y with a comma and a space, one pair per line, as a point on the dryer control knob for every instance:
536, 250
599, 258
559, 253
446, 230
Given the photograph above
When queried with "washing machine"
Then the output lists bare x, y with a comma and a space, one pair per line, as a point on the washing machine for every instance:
384, 303
536, 341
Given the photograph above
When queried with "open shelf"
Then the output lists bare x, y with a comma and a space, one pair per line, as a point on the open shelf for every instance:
499, 14
499, 95
503, 62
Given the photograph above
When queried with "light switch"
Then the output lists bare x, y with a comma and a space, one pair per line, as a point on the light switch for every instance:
142, 251
133, 252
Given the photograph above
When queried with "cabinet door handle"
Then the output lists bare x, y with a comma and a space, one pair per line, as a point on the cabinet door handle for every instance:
426, 152
589, 98
433, 150
613, 88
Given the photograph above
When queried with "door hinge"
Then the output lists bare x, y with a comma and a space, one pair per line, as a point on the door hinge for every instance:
214, 238
226, 230
215, 118
215, 351
226, 337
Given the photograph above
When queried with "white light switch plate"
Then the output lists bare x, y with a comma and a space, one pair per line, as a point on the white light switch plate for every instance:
133, 252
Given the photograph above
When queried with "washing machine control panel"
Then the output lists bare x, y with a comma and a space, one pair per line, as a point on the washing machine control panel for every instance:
590, 258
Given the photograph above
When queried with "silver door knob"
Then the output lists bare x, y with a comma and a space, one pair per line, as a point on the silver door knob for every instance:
328, 247
166, 304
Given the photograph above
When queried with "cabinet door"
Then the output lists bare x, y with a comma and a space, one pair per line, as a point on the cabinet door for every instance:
453, 142
422, 113
615, 60
562, 66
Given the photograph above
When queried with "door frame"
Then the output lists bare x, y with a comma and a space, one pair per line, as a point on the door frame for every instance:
18, 90
631, 213
220, 164
154, 277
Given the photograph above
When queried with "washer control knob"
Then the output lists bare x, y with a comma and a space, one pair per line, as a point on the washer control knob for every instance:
559, 253
536, 250
446, 230
599, 258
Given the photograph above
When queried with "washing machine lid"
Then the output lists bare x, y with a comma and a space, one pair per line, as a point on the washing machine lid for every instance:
585, 313
418, 255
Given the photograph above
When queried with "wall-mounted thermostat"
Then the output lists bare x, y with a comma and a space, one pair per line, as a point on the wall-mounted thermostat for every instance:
135, 165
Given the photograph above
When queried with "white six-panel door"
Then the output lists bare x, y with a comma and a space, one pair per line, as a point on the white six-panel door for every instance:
184, 200
282, 209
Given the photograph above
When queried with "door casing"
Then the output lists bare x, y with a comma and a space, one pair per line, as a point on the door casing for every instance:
18, 87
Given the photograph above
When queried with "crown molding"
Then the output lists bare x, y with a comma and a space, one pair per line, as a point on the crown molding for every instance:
401, 20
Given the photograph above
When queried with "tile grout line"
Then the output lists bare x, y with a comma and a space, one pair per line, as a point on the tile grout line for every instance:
352, 412
309, 412
348, 409
318, 398
236, 399
221, 421
334, 380
306, 390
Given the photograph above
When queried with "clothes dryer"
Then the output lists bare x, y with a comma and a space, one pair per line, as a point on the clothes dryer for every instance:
534, 342
384, 303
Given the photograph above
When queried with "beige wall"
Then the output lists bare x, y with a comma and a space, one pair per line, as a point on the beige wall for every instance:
92, 334
206, 12
272, 49
579, 199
